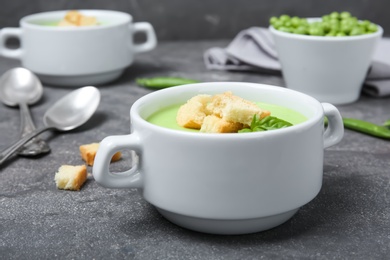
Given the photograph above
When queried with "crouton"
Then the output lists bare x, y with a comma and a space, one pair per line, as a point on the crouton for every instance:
192, 113
70, 177
88, 153
75, 18
214, 124
235, 109
221, 113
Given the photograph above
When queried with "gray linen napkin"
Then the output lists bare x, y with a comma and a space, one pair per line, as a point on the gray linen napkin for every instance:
253, 49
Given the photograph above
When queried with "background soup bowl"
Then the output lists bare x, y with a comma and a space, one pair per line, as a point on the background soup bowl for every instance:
77, 56
331, 69
224, 183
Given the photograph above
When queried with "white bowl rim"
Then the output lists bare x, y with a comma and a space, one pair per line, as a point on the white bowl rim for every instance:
26, 21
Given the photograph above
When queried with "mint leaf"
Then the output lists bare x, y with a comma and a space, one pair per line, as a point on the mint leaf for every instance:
265, 124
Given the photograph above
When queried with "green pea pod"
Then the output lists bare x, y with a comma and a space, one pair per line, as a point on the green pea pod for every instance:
367, 128
163, 82
387, 123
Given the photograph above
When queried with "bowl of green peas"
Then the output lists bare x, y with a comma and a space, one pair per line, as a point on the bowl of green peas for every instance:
326, 57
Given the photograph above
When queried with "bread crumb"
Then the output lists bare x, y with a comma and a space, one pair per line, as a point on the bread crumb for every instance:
88, 153
69, 177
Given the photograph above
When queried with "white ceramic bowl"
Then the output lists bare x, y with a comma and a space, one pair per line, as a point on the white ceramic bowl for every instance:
224, 183
331, 69
77, 56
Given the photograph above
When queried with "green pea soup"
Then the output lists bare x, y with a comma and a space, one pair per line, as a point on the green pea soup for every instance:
54, 23
166, 117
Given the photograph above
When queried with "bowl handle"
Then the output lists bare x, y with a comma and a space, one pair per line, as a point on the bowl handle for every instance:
335, 130
7, 33
107, 148
151, 40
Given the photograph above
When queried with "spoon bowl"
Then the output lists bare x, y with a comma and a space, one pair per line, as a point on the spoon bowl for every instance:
20, 87
71, 111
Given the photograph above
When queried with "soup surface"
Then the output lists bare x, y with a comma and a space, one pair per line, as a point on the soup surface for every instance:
51, 23
167, 117
55, 23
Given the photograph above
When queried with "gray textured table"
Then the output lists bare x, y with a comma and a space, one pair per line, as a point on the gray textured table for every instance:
349, 219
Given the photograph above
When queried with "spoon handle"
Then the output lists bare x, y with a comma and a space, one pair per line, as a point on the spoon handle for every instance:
36, 145
4, 155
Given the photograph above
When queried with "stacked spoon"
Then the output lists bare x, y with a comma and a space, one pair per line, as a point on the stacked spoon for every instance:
71, 111
20, 87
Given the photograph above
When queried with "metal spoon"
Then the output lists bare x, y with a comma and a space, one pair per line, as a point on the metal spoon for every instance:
69, 112
21, 87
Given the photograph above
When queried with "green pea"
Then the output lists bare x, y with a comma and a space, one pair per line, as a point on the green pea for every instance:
363, 29
295, 21
284, 17
334, 15
345, 22
353, 20
356, 31
315, 24
365, 23
301, 30
326, 26
334, 21
348, 22
344, 15
316, 31
372, 27
277, 24
304, 22
331, 34
273, 19
163, 82
326, 18
333, 24
340, 34
287, 24
346, 28
334, 28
